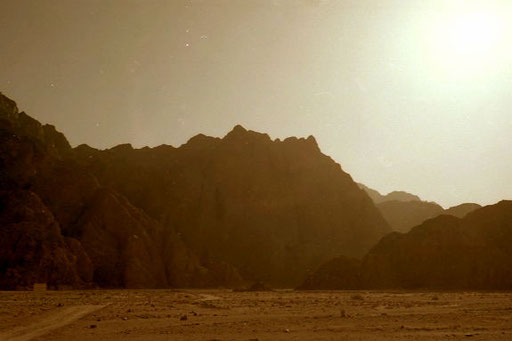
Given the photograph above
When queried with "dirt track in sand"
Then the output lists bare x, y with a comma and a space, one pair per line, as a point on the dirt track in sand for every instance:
48, 322
279, 315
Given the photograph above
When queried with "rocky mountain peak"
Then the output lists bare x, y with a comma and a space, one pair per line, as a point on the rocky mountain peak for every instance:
238, 129
7, 106
200, 141
241, 135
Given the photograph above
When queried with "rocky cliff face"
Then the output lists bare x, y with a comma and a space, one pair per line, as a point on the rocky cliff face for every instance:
274, 209
32, 248
83, 233
442, 253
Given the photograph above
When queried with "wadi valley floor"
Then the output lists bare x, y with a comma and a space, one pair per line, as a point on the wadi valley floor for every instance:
273, 315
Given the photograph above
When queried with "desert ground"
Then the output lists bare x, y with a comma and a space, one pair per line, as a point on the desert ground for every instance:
269, 315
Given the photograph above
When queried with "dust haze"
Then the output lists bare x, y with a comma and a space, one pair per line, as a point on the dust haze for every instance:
255, 170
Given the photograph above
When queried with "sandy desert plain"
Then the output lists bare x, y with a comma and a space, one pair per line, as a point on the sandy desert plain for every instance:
267, 315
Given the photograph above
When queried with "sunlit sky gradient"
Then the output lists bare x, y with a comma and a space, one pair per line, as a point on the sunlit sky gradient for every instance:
405, 95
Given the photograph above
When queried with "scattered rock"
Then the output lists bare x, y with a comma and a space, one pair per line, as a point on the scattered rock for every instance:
357, 297
256, 286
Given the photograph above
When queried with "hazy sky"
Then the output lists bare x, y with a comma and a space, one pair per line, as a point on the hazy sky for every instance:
416, 97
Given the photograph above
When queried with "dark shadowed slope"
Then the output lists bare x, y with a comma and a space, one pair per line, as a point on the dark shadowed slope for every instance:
403, 215
32, 248
442, 253
460, 211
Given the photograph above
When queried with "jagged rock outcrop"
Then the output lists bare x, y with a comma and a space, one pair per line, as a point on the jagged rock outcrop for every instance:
32, 248
442, 253
122, 245
273, 209
460, 211
403, 215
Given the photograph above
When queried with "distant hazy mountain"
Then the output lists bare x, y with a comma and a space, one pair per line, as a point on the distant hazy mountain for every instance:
197, 215
401, 196
403, 210
392, 196
442, 253
460, 211
404, 215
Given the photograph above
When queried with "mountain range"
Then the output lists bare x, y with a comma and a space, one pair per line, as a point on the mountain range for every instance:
213, 212
226, 212
403, 210
443, 253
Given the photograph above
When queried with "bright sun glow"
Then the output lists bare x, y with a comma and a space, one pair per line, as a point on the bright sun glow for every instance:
472, 35
468, 43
